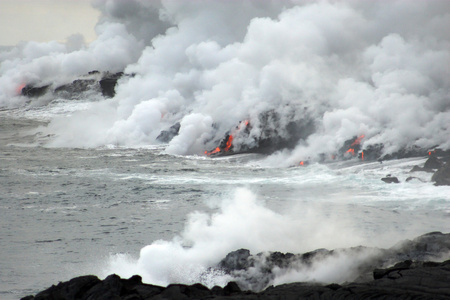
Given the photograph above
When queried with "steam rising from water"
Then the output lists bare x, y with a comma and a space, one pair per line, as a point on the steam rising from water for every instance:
241, 221
373, 68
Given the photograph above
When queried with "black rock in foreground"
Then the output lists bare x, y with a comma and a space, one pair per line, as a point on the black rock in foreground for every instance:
412, 278
406, 280
442, 175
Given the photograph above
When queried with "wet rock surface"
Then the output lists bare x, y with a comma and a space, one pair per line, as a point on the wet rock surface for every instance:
438, 163
407, 280
166, 136
390, 179
34, 91
431, 165
108, 84
275, 132
76, 88
442, 175
414, 276
95, 81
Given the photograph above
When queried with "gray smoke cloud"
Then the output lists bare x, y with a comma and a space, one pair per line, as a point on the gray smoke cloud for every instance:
353, 67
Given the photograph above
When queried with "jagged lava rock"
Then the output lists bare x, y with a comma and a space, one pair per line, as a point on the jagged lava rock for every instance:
32, 91
405, 280
442, 175
108, 84
390, 179
236, 260
74, 89
166, 136
411, 278
433, 163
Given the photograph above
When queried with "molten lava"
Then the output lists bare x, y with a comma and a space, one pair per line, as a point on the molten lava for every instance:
356, 142
217, 150
227, 143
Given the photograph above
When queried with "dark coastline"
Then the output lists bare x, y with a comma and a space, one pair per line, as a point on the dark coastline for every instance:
422, 271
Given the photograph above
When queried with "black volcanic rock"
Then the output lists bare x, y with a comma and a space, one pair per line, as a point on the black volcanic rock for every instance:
402, 272
74, 89
442, 175
406, 153
72, 289
90, 287
166, 136
255, 271
410, 178
236, 260
420, 169
420, 248
99, 82
420, 281
405, 280
108, 84
275, 132
33, 91
373, 152
430, 165
390, 179
433, 163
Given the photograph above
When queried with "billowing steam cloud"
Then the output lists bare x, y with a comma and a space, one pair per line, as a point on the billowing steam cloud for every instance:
241, 221
375, 68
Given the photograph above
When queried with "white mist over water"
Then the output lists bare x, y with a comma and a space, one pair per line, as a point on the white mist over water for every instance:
241, 222
66, 209
373, 68
325, 219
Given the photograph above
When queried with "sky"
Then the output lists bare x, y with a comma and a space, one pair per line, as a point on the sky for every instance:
45, 20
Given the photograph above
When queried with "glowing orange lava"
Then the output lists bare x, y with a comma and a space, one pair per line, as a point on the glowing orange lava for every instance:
357, 141
213, 151
229, 143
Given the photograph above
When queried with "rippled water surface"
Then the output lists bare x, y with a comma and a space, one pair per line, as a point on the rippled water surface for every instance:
65, 211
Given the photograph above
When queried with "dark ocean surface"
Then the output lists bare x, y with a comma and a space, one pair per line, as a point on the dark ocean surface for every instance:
68, 211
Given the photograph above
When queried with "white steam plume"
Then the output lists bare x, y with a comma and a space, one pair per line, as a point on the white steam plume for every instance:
241, 222
375, 68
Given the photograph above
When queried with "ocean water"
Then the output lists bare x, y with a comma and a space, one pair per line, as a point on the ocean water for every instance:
87, 188
72, 211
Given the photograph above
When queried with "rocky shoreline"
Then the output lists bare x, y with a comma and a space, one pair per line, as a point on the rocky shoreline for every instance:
438, 164
422, 271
